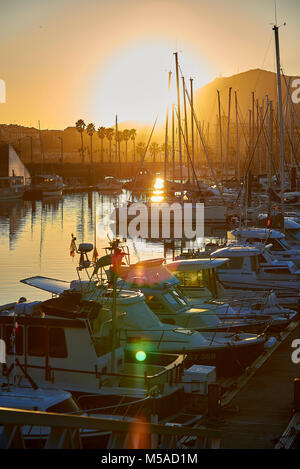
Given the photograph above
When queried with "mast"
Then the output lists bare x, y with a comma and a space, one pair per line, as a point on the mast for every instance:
228, 131
114, 318
41, 147
173, 143
220, 129
186, 128
270, 146
279, 97
252, 127
166, 133
192, 127
179, 122
237, 138
258, 137
118, 156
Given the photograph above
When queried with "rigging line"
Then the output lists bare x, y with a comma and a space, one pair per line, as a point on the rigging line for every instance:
205, 149
188, 153
144, 156
264, 59
253, 150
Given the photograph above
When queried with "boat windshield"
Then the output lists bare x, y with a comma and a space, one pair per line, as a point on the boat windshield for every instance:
175, 298
204, 278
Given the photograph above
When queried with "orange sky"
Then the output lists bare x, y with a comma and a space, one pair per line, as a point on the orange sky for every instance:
70, 59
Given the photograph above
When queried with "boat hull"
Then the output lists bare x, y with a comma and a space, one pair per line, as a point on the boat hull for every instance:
229, 361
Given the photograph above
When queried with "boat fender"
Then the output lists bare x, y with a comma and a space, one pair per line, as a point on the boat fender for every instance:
270, 343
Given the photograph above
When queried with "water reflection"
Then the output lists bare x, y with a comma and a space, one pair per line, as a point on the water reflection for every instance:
35, 238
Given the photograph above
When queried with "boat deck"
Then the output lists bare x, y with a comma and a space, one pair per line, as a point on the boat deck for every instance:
261, 410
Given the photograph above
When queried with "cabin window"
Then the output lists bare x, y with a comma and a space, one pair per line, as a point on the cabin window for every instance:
191, 279
14, 340
37, 341
178, 297
235, 263
277, 271
57, 343
154, 304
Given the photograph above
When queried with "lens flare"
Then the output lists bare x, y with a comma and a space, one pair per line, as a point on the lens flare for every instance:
140, 356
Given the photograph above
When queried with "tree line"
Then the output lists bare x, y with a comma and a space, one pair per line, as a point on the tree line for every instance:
122, 136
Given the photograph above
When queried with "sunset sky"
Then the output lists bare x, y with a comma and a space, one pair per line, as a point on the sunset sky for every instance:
68, 59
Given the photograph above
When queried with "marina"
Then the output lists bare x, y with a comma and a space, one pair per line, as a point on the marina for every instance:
150, 231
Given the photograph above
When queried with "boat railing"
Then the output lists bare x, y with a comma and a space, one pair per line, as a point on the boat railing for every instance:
65, 431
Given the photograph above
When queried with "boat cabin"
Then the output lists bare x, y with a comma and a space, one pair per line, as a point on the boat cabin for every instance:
278, 245
197, 277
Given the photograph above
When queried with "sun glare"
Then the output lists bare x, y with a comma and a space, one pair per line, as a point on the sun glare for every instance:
134, 83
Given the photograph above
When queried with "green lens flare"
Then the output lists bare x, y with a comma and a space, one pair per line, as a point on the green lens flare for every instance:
140, 356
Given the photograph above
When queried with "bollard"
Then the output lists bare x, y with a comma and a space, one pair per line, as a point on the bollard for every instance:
214, 400
297, 395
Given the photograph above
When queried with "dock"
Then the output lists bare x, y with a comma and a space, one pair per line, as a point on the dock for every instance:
260, 411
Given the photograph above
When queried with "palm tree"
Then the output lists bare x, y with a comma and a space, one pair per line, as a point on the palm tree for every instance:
126, 137
132, 137
109, 133
120, 138
140, 149
154, 149
101, 134
80, 126
90, 128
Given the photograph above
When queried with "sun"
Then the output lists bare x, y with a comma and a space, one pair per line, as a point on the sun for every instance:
133, 84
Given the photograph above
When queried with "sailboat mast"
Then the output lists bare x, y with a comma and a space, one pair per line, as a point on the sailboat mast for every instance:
237, 138
279, 97
192, 127
166, 133
186, 128
179, 122
228, 133
173, 143
220, 129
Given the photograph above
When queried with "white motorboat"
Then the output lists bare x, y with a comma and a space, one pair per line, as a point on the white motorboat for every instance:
254, 268
172, 306
278, 245
199, 281
100, 375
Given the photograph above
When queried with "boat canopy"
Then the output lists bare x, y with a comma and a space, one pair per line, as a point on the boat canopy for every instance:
195, 264
237, 251
148, 273
257, 233
51, 285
